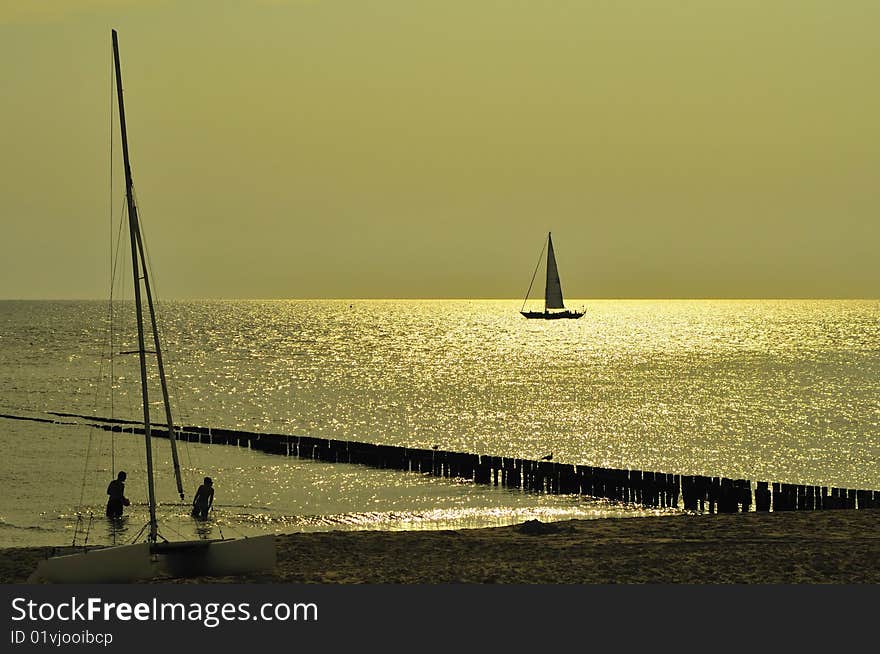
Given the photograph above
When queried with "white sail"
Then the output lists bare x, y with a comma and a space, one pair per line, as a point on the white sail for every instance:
553, 291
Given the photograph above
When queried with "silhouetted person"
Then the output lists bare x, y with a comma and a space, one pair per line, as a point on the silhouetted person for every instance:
204, 500
117, 500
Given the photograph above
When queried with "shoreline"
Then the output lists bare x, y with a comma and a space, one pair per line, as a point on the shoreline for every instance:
836, 547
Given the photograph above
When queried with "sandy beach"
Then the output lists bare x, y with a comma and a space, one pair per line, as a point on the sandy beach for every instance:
791, 547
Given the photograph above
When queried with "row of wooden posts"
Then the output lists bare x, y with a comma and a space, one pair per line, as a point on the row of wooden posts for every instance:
650, 489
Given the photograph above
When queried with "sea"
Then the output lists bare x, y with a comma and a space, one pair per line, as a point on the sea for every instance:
767, 390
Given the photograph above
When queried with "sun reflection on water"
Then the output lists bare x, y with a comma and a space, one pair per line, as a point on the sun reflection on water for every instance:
765, 390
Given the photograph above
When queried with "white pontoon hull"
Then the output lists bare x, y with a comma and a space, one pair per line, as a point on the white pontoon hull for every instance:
127, 563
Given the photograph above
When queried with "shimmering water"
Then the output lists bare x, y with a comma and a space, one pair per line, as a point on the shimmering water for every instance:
766, 390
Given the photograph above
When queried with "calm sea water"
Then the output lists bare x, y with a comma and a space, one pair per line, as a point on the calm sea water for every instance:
765, 390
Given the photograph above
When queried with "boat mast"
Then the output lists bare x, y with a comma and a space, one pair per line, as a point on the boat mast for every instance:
547, 271
134, 234
158, 348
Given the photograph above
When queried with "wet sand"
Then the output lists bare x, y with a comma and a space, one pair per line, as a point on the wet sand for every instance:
838, 547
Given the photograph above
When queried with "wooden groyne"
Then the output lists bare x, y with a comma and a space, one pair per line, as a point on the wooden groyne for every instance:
650, 489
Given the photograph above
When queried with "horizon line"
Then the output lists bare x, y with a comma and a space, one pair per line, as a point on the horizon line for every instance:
435, 299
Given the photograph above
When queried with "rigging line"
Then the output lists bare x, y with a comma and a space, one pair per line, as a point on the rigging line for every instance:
114, 257
82, 493
136, 536
113, 264
113, 267
179, 409
97, 469
154, 284
87, 470
170, 528
230, 526
131, 384
88, 529
110, 140
85, 476
99, 384
100, 381
168, 364
76, 528
82, 528
534, 274
98, 451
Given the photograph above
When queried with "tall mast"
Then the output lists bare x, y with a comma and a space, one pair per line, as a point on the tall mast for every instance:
134, 234
547, 271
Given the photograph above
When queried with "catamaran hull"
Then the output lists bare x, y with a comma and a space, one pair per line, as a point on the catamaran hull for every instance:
546, 315
240, 556
127, 563
108, 565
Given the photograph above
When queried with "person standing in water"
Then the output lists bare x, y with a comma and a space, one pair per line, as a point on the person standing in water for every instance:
117, 500
204, 500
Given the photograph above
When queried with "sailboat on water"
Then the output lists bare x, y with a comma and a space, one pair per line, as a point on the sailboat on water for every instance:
156, 556
554, 306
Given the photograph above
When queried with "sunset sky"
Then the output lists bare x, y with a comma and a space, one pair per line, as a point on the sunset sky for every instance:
393, 148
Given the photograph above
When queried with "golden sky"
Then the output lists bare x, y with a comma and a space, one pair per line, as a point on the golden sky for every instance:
394, 148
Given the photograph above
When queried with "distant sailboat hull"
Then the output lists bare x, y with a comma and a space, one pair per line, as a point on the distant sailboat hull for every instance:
554, 305
553, 315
